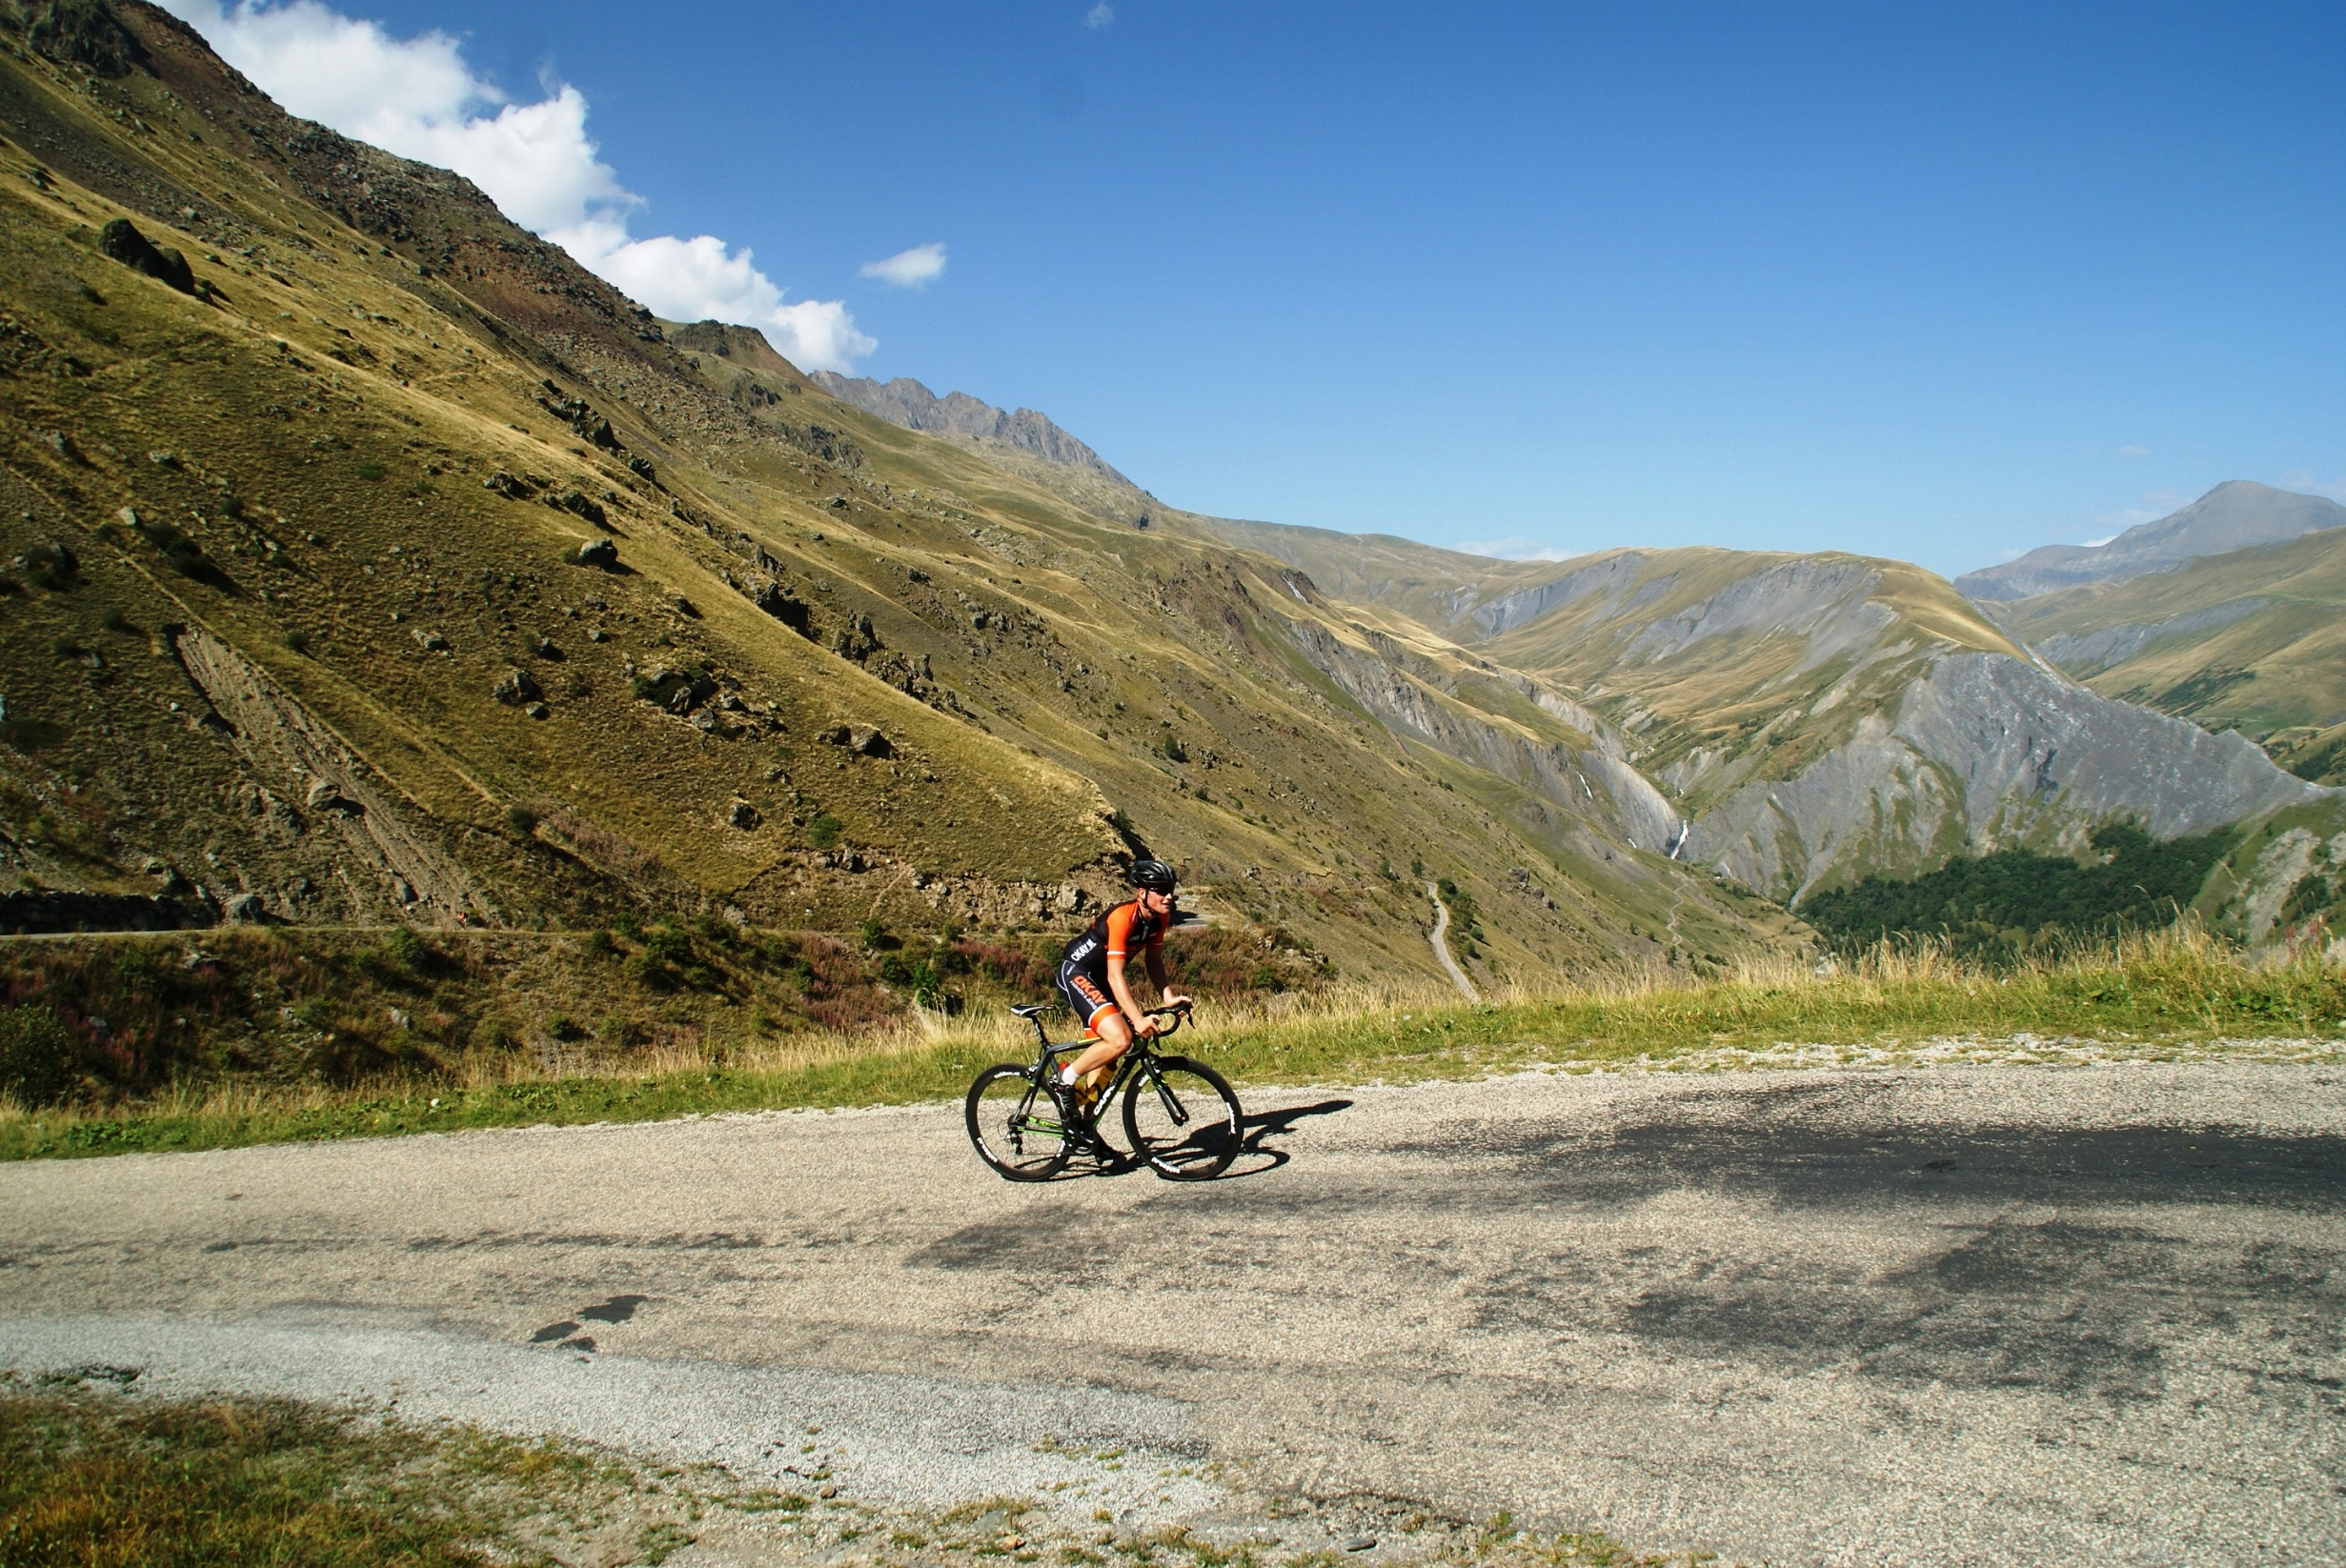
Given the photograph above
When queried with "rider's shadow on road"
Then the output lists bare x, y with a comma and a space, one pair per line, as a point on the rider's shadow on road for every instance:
1254, 1158
1254, 1155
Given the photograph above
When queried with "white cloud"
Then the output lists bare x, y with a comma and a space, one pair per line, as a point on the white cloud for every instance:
2134, 450
2309, 484
1516, 547
2096, 544
914, 268
700, 279
417, 97
1099, 16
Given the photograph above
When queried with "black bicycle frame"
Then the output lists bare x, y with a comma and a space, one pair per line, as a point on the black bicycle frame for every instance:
1140, 1057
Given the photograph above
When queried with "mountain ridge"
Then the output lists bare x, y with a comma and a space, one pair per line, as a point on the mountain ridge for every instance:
2235, 514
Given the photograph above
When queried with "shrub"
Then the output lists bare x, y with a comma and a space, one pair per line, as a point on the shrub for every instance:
1219, 961
297, 641
407, 950
822, 831
521, 820
1006, 966
38, 1055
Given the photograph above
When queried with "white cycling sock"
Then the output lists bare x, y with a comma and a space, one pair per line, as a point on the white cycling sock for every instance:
1066, 1075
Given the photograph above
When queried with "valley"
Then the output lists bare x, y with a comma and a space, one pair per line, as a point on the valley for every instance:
522, 816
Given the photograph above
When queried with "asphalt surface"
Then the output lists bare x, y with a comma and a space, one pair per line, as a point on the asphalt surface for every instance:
1956, 1314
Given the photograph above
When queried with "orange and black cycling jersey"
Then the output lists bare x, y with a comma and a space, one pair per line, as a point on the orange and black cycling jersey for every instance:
1117, 933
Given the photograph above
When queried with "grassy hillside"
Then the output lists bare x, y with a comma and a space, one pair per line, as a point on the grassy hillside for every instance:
2253, 641
399, 570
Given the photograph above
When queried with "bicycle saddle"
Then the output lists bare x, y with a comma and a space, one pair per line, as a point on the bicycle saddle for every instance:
1032, 1008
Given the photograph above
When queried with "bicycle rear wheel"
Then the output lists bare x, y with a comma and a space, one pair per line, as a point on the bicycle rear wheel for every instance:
1182, 1119
1014, 1125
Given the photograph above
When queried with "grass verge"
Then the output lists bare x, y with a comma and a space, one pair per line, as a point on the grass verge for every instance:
95, 1479
2148, 993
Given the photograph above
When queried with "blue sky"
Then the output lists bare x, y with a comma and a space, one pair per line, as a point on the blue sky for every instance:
1935, 282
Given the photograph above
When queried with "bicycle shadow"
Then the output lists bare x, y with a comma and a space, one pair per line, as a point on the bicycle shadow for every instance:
1254, 1156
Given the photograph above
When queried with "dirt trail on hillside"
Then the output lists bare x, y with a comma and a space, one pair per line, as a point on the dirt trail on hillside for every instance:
1972, 1313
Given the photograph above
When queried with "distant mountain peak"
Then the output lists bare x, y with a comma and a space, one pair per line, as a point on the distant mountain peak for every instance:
906, 402
2237, 514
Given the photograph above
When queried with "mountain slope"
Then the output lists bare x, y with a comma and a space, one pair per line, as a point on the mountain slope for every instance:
387, 565
1025, 441
1813, 720
2234, 515
2253, 641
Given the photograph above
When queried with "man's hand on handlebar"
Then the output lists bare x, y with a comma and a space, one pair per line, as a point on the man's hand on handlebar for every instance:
1152, 1022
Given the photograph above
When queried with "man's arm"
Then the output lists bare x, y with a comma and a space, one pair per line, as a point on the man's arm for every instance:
1121, 989
1165, 993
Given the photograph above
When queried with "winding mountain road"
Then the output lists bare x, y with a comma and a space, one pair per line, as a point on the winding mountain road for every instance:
1440, 936
1957, 1315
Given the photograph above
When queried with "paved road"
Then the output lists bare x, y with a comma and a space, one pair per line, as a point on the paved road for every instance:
1958, 1315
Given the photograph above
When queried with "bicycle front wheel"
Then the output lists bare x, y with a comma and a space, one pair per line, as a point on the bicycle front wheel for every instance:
1182, 1117
1014, 1125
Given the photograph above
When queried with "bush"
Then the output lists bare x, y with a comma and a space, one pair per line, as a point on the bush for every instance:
1219, 961
822, 831
38, 1055
521, 820
297, 641
1006, 966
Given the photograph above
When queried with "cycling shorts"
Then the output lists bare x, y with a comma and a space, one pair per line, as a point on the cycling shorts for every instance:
1086, 997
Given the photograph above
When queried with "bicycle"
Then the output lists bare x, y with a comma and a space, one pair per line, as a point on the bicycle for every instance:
1180, 1115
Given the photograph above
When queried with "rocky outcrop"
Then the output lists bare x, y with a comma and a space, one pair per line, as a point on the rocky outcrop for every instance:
121, 240
906, 402
1982, 752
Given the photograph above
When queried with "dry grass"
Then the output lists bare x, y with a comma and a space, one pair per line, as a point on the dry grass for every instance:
2147, 995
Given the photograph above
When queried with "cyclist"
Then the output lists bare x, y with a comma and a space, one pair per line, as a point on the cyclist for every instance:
1092, 976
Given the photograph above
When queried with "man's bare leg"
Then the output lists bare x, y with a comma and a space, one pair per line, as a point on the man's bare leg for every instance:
1091, 1068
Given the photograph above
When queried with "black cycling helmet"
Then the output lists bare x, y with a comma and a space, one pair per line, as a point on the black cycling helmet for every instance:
1153, 875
